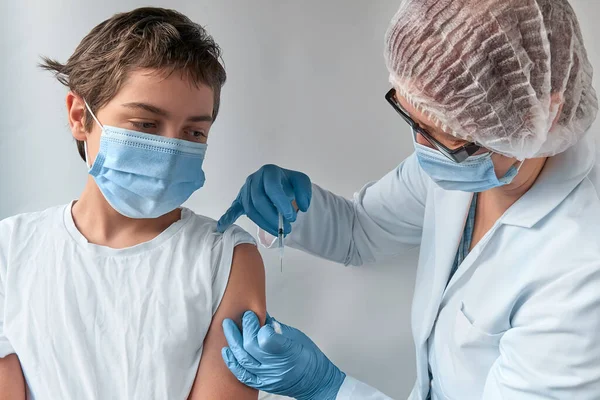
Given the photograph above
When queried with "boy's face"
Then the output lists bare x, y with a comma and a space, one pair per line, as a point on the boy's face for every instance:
148, 102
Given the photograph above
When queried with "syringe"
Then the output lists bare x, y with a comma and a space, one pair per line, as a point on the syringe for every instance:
280, 240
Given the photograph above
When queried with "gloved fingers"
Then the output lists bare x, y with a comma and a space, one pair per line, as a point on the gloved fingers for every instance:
231, 215
250, 327
269, 319
236, 345
242, 374
280, 192
273, 343
302, 190
263, 205
249, 199
297, 337
277, 326
288, 201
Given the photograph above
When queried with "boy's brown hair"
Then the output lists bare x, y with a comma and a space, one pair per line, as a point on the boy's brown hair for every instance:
154, 38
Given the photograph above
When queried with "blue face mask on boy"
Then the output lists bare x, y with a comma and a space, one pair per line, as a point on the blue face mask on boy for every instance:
476, 174
143, 175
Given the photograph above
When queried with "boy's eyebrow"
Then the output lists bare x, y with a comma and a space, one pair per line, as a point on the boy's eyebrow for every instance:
164, 113
147, 107
201, 118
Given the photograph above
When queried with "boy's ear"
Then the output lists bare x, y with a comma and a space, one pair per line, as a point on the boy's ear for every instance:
76, 113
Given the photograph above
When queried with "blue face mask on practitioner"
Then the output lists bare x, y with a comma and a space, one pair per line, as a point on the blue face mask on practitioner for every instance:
476, 174
143, 175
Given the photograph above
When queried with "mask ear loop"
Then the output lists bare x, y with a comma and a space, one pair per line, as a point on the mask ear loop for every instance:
85, 143
86, 155
520, 165
516, 169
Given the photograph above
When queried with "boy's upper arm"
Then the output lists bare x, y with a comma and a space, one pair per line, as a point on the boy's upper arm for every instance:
12, 383
245, 291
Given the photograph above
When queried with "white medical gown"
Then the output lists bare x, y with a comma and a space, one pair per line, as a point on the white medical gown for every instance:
520, 318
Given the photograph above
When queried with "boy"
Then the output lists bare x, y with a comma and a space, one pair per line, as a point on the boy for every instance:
121, 294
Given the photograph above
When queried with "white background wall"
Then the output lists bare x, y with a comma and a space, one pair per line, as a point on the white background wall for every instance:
305, 90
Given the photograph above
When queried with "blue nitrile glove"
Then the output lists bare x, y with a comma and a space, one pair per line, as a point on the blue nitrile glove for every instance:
267, 192
287, 364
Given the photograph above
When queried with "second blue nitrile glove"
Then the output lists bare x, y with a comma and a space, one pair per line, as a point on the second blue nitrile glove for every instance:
266, 193
286, 363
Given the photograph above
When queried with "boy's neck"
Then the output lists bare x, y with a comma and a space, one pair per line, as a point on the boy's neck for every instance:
100, 224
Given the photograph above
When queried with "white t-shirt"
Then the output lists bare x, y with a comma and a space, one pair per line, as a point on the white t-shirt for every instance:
91, 322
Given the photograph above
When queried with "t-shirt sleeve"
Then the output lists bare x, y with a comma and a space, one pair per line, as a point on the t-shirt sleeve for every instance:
222, 256
5, 346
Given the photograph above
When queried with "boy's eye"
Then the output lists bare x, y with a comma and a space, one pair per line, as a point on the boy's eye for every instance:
143, 125
197, 134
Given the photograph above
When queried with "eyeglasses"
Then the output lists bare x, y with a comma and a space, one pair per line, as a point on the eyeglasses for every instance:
457, 155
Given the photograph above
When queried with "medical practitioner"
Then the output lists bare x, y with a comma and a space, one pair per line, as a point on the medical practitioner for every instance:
501, 195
